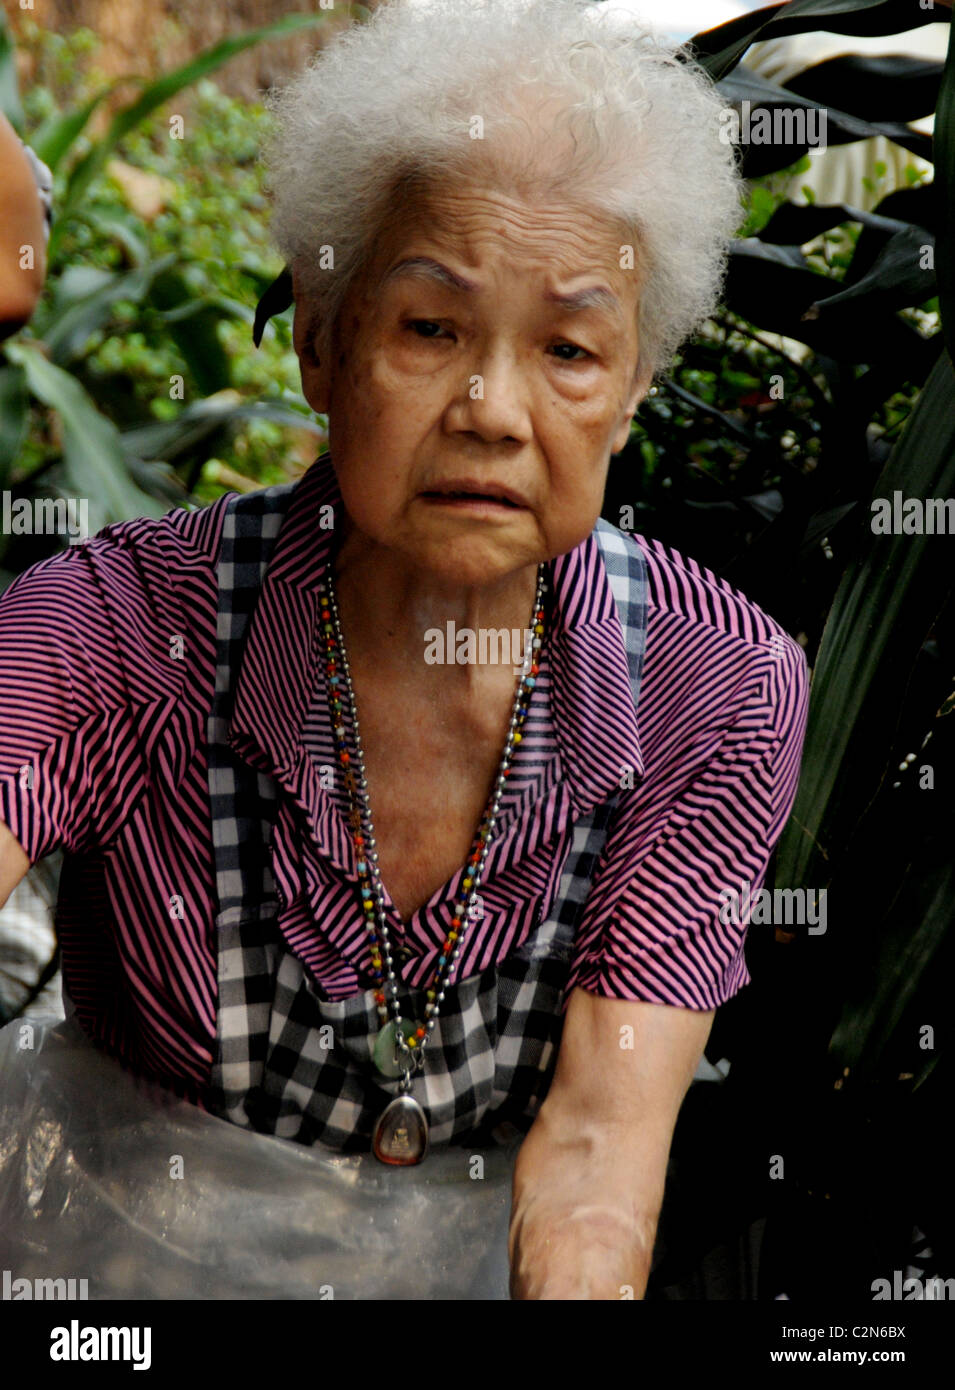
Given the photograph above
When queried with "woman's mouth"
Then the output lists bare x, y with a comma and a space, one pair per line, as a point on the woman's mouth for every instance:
472, 501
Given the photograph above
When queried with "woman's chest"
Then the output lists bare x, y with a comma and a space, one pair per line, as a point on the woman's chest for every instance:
428, 787
426, 814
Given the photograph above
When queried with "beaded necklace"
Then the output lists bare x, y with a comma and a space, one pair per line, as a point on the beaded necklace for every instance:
401, 1134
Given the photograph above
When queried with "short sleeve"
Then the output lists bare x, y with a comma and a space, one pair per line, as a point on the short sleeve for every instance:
656, 926
43, 178
62, 719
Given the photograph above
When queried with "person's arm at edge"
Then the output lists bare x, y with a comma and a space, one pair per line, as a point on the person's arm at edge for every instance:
21, 224
589, 1178
14, 862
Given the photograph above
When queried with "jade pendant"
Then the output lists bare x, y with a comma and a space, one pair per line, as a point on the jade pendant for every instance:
386, 1056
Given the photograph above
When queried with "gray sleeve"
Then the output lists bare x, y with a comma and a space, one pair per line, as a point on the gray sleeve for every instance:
44, 185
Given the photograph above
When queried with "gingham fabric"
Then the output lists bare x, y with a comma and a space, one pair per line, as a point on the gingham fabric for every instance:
290, 1063
27, 949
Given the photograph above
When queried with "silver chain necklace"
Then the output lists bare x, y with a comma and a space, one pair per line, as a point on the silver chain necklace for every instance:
401, 1134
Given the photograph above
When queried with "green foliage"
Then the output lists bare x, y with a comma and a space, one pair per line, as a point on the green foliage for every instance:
158, 253
213, 219
844, 1055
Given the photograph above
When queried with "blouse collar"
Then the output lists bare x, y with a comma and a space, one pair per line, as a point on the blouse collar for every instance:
595, 718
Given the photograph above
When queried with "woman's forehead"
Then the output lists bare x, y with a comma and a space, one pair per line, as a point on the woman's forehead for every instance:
475, 223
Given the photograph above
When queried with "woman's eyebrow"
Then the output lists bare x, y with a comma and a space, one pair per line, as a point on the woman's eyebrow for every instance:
424, 268
593, 297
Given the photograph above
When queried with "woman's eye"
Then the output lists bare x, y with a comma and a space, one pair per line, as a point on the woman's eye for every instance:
574, 347
417, 324
431, 328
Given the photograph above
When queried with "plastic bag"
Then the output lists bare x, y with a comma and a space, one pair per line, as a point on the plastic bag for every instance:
107, 1177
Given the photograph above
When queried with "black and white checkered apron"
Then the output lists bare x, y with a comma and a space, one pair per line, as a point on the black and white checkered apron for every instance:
289, 1062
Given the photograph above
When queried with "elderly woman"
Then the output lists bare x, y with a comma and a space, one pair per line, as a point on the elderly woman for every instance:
339, 867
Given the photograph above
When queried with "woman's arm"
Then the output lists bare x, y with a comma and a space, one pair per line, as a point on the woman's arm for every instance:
21, 224
589, 1178
14, 862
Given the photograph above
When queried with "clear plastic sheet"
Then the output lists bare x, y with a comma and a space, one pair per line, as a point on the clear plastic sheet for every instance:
88, 1190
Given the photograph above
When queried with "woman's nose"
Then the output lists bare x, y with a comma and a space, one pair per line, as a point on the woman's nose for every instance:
496, 394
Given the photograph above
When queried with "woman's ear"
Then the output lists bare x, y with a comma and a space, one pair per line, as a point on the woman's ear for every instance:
640, 387
314, 372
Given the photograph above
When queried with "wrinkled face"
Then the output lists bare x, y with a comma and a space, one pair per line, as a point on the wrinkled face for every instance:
492, 347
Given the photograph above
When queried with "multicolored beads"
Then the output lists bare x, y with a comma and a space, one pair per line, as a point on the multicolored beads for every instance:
409, 1038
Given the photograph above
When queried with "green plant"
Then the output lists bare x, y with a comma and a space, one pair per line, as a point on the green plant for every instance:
839, 1051
129, 381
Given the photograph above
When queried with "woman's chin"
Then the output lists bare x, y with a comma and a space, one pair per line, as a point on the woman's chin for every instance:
464, 555
458, 569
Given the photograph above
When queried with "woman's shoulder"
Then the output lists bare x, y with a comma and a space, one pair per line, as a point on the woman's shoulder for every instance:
191, 535
688, 592
116, 608
144, 551
714, 655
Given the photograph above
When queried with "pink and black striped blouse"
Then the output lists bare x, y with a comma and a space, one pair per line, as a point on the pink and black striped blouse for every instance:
107, 669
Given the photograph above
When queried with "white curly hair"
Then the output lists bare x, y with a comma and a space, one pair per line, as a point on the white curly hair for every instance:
387, 108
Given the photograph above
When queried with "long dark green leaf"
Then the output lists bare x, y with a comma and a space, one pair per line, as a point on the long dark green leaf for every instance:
14, 417
56, 135
123, 227
911, 914
920, 916
823, 524
771, 286
795, 224
67, 336
839, 127
720, 49
874, 87
901, 276
884, 606
171, 439
159, 479
192, 323
945, 183
896, 924
197, 340
918, 206
72, 285
9, 86
94, 460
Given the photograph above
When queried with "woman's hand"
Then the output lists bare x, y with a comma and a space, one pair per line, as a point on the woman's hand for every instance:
589, 1178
